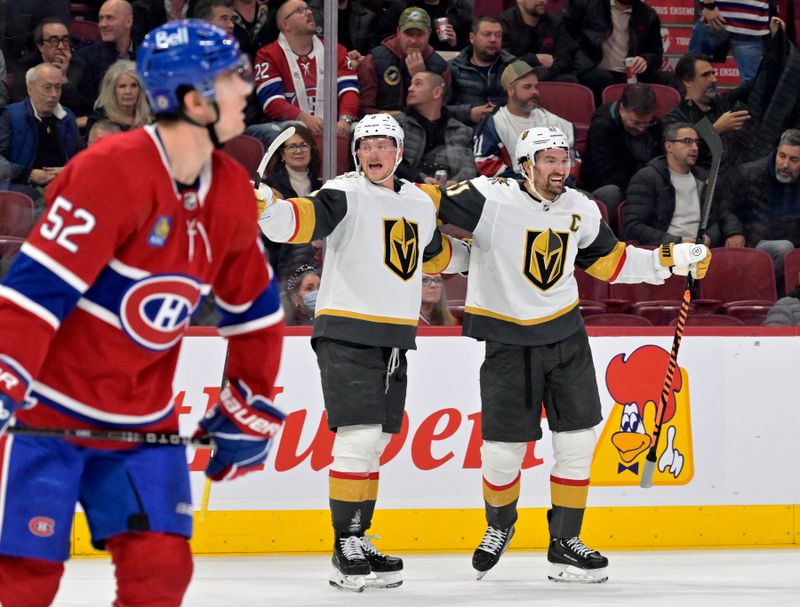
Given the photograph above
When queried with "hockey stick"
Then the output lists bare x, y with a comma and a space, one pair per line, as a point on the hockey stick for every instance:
712, 139
120, 436
273, 147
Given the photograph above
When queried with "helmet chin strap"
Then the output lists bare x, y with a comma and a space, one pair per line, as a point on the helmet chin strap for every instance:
528, 173
210, 127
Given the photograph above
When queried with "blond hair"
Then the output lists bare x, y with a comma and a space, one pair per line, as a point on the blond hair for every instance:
107, 99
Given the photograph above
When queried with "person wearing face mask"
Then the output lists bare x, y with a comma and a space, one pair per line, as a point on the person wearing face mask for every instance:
302, 289
522, 300
378, 231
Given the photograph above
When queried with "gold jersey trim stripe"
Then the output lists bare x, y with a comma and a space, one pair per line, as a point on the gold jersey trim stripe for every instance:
348, 490
607, 267
305, 217
503, 497
389, 320
569, 496
437, 264
433, 191
521, 321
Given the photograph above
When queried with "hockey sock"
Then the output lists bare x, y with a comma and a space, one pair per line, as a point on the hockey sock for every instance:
352, 486
569, 481
28, 582
500, 502
368, 507
349, 500
502, 463
152, 569
374, 477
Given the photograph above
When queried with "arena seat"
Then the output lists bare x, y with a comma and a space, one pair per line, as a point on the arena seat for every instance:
791, 270
573, 102
247, 150
616, 320
738, 275
710, 320
666, 96
16, 220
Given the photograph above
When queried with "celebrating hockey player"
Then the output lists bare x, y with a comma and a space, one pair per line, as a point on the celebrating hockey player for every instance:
94, 308
366, 318
522, 299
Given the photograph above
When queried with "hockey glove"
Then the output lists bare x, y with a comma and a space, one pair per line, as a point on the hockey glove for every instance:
684, 257
242, 425
265, 198
13, 392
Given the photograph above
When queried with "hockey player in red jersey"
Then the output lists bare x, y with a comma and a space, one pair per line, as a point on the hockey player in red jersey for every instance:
138, 229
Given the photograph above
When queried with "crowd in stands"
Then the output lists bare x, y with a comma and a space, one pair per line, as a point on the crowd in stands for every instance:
463, 84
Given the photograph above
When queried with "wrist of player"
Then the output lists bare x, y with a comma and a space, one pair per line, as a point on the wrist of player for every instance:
680, 257
265, 198
242, 426
257, 418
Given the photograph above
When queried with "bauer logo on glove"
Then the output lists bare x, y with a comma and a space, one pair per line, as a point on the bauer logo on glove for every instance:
242, 425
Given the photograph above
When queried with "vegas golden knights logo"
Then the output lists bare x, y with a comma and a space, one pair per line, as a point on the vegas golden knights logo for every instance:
545, 255
401, 246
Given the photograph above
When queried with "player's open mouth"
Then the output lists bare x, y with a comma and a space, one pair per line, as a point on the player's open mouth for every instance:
375, 166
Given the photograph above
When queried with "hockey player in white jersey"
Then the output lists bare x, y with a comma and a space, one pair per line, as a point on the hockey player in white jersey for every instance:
366, 318
522, 299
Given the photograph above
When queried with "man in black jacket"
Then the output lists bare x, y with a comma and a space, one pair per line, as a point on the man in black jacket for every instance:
607, 35
539, 39
664, 199
476, 73
760, 203
623, 137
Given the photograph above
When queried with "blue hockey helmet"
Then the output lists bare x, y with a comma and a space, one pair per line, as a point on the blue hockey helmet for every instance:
187, 53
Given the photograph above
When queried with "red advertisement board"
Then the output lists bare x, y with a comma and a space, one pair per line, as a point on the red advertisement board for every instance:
674, 11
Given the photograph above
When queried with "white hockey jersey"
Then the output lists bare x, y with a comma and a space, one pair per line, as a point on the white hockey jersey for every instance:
522, 289
372, 278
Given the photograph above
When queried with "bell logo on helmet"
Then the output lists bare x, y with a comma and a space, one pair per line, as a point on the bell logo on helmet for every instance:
176, 38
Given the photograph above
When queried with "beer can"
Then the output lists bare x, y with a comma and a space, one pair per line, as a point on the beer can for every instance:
630, 77
441, 177
439, 25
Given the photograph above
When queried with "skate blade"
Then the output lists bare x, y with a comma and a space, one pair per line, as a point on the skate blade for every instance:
351, 583
389, 579
575, 575
479, 574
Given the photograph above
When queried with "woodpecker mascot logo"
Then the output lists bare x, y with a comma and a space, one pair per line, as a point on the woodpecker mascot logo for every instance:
544, 257
635, 384
401, 246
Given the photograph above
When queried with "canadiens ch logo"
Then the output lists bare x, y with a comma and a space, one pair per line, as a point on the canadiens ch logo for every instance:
401, 246
156, 310
42, 526
544, 257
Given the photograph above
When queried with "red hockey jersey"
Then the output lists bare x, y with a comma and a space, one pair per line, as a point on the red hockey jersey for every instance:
96, 304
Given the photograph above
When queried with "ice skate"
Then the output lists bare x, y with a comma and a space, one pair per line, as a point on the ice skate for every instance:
386, 571
494, 544
350, 566
571, 561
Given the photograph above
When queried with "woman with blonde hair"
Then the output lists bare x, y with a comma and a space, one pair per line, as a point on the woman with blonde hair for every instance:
121, 99
433, 309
